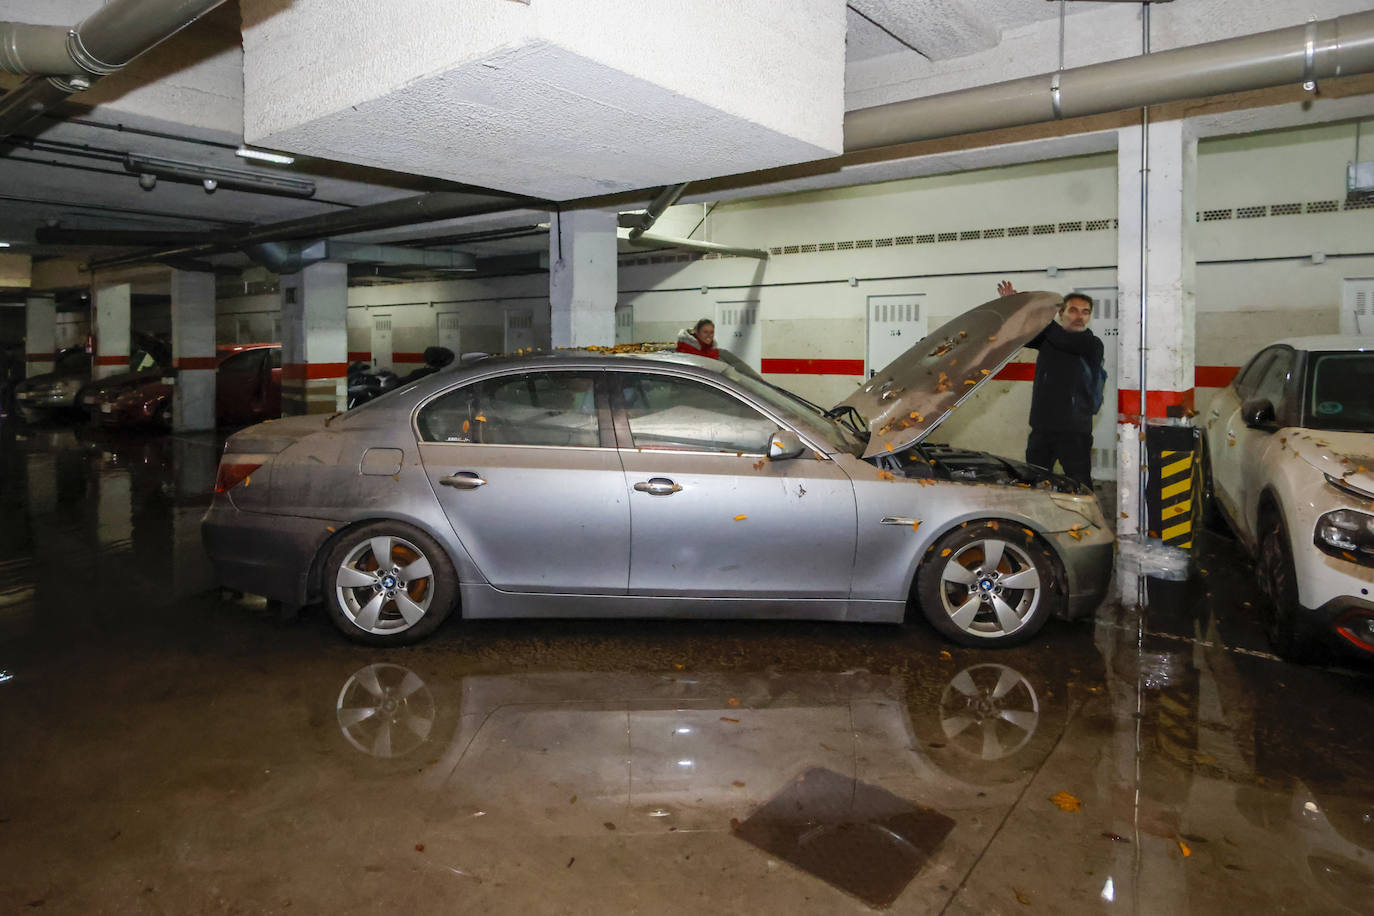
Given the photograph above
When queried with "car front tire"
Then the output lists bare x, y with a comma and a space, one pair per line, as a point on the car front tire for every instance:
388, 584
990, 583
1284, 622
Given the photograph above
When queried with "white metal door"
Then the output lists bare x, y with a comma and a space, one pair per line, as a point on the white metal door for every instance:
381, 342
243, 329
519, 329
1357, 306
737, 329
447, 331
1104, 325
895, 324
625, 323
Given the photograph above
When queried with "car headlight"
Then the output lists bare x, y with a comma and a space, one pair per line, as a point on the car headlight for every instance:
1348, 534
1082, 504
66, 387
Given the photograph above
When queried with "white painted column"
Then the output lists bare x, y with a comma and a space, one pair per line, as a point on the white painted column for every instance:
314, 310
1169, 325
40, 334
582, 278
193, 350
110, 324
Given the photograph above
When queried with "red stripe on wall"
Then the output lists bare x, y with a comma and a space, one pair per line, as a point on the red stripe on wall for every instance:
314, 370
195, 362
1203, 376
1214, 376
1016, 372
812, 366
112, 360
407, 357
40, 357
359, 356
1157, 404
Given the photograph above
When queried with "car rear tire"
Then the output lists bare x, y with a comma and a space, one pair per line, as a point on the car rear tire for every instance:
989, 584
388, 584
1284, 623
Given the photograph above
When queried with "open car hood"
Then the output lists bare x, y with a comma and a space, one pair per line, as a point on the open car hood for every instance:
913, 395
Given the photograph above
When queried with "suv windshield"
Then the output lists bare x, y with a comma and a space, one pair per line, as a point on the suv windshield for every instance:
1340, 392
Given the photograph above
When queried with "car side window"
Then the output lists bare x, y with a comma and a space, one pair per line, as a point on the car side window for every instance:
685, 415
1250, 376
1274, 380
244, 363
274, 358
525, 408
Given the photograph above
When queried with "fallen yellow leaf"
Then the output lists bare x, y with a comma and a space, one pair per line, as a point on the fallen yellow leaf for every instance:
732, 701
1066, 802
740, 518
888, 446
944, 654
886, 475
946, 552
480, 419
916, 525
1183, 847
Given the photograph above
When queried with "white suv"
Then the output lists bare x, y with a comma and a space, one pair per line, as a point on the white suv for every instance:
1288, 460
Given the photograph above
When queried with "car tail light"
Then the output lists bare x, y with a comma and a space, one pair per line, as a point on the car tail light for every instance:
231, 474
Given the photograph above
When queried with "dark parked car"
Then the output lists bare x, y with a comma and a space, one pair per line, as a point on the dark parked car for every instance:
247, 390
41, 397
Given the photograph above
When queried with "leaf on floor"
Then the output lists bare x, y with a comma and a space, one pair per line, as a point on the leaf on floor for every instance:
1066, 802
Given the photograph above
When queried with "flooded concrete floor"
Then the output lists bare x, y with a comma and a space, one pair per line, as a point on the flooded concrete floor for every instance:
166, 749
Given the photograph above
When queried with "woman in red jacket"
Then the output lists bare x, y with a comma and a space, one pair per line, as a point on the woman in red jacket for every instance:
700, 341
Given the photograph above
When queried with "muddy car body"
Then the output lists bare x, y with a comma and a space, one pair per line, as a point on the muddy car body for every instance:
247, 390
592, 483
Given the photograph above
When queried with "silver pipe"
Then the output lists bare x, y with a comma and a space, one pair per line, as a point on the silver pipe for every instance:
102, 43
670, 241
1299, 54
657, 207
1142, 451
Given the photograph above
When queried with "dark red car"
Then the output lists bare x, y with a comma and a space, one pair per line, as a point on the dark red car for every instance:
247, 390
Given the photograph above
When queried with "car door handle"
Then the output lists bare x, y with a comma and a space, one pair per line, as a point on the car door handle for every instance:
658, 486
463, 480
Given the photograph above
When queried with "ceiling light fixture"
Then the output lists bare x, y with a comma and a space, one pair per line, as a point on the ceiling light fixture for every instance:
4, 244
244, 152
211, 177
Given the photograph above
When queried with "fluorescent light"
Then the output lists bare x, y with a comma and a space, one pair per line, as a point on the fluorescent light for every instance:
4, 244
244, 152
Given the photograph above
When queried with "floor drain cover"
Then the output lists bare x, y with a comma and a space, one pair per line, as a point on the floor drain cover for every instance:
858, 837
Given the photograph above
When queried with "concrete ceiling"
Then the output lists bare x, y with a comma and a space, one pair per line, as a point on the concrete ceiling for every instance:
185, 100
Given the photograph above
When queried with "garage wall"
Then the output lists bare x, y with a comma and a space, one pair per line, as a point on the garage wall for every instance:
1267, 204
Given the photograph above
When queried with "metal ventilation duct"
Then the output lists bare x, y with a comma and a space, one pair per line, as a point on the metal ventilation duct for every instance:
1300, 54
67, 60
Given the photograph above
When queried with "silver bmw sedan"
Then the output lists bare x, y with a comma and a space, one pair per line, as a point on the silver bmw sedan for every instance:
596, 483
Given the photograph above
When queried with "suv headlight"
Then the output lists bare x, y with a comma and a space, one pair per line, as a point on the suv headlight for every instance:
1347, 534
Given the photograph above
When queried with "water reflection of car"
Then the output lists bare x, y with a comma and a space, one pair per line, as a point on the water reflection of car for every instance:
247, 390
48, 394
581, 483
1289, 456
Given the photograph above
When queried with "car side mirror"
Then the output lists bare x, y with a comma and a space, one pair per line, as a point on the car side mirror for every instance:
784, 444
1258, 413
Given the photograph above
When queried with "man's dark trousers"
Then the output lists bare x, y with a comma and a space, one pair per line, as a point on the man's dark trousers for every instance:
1074, 451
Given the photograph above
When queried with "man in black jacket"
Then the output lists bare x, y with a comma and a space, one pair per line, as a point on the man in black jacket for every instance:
1061, 414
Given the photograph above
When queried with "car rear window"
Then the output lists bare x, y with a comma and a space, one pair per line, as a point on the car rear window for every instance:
1341, 392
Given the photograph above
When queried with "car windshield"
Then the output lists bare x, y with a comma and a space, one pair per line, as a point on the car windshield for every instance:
1340, 392
815, 419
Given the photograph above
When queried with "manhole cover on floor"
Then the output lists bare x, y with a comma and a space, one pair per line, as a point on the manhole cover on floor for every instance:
858, 837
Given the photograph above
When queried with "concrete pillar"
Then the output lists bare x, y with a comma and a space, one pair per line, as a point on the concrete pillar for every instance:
314, 309
40, 334
1168, 321
193, 350
110, 325
582, 278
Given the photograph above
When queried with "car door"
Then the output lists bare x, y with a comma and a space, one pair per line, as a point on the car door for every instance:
525, 468
1252, 445
710, 515
237, 384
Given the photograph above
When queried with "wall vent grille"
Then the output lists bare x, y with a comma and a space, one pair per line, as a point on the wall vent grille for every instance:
1043, 229
1323, 206
947, 237
1285, 209
864, 243
1015, 231
882, 243
905, 239
844, 246
969, 234
1251, 212
994, 233
1096, 225
827, 246
790, 249
1359, 204
1071, 227
925, 239
1209, 216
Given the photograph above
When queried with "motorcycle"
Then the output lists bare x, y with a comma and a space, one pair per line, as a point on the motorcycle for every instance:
364, 384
